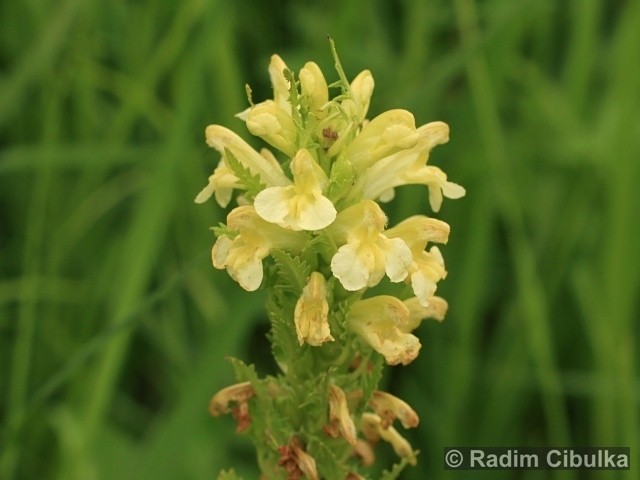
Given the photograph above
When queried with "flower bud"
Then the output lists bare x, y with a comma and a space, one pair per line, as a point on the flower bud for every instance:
274, 125
312, 324
314, 86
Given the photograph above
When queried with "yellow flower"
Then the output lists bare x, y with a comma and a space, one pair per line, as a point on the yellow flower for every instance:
266, 167
427, 268
379, 321
311, 313
242, 256
366, 254
408, 166
371, 425
222, 183
300, 206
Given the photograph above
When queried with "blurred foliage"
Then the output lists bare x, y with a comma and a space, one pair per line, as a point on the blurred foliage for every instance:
114, 327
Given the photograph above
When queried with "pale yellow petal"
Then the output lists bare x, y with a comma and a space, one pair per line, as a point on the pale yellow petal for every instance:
314, 86
435, 197
279, 82
437, 309
453, 190
248, 274
220, 251
273, 204
423, 287
205, 193
316, 214
362, 88
351, 268
223, 196
398, 258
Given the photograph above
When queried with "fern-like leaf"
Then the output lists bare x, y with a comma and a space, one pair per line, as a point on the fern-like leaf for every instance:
250, 182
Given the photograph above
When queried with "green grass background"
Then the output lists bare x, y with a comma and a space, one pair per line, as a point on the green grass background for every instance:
113, 324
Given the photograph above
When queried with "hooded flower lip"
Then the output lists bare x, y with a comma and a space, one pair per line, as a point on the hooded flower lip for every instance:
408, 166
311, 312
437, 310
222, 138
379, 321
300, 206
234, 399
238, 393
366, 254
390, 407
389, 132
373, 431
417, 231
243, 255
221, 183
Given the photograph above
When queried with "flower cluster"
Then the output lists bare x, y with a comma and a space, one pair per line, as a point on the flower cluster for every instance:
314, 206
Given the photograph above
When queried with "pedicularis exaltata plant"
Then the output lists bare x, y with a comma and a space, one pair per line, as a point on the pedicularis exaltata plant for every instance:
310, 230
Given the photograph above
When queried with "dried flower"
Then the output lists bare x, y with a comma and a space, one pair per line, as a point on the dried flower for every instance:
341, 423
390, 407
373, 431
